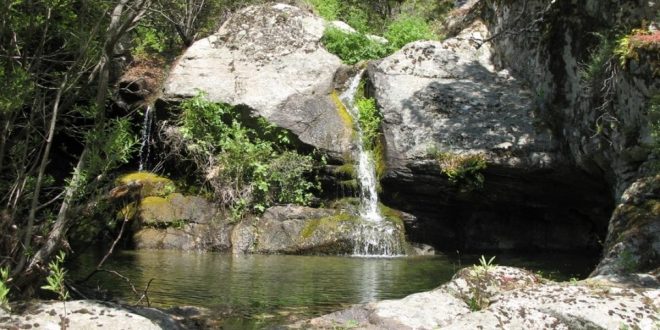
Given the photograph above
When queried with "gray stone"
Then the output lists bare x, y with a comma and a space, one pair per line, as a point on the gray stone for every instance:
270, 59
87, 314
514, 299
448, 96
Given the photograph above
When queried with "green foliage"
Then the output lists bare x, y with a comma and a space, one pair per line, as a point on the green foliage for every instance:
474, 303
627, 261
485, 266
149, 40
407, 29
56, 276
370, 121
352, 47
464, 170
602, 53
4, 288
328, 9
250, 168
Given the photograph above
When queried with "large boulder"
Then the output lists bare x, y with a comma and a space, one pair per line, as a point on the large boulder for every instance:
270, 59
444, 102
490, 297
633, 240
293, 229
448, 96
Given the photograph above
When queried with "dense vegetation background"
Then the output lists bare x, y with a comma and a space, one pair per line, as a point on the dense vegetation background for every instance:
65, 133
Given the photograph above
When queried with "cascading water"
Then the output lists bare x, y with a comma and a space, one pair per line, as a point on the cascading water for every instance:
375, 236
146, 135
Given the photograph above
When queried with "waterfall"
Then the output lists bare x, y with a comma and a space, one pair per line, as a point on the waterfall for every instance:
146, 135
375, 236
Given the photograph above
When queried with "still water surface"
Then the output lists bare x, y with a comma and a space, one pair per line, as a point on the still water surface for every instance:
271, 289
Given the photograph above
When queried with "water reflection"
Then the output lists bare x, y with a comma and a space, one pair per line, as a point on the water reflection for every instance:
251, 285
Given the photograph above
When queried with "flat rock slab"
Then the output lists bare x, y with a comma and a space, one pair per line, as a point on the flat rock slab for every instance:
516, 299
82, 314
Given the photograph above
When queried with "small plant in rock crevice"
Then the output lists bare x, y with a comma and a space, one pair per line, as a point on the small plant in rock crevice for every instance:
55, 284
464, 170
4, 288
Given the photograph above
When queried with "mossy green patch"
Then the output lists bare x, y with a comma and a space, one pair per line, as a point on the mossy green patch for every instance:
392, 215
346, 170
327, 224
342, 111
156, 209
379, 159
152, 184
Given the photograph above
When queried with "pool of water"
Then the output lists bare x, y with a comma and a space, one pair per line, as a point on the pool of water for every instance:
258, 290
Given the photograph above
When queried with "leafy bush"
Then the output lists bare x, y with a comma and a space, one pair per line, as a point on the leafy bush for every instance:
328, 9
246, 171
352, 47
407, 29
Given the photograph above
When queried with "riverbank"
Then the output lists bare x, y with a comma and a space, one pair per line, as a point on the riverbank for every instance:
489, 297
482, 296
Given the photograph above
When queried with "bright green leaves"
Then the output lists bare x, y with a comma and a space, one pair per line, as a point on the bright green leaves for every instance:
55, 279
4, 288
248, 168
407, 29
352, 47
356, 47
370, 120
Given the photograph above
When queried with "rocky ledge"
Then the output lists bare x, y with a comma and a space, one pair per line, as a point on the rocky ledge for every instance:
495, 297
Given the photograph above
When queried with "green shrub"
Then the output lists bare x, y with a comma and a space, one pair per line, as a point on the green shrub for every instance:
246, 171
328, 9
407, 29
352, 47
464, 170
370, 120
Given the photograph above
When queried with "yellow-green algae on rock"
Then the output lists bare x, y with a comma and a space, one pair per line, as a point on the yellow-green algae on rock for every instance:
152, 184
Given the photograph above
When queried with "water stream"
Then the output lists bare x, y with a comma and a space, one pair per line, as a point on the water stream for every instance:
146, 136
375, 237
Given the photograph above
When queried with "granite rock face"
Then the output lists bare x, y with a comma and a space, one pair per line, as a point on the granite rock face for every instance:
449, 98
505, 297
269, 59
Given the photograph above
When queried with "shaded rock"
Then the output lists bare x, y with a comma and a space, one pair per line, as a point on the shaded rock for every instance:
295, 229
269, 58
633, 240
516, 299
176, 208
448, 99
192, 236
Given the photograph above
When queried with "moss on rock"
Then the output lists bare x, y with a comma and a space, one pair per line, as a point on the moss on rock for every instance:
326, 224
152, 184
